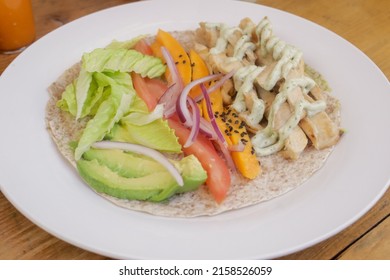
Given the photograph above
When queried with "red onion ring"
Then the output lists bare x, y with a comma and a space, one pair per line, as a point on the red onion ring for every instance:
181, 106
175, 89
217, 85
207, 129
228, 157
211, 115
195, 123
169, 100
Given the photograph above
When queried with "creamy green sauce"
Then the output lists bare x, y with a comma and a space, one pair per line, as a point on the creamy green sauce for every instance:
224, 33
287, 56
240, 48
244, 83
269, 140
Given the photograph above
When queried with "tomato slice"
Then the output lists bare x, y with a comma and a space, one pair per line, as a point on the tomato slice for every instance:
143, 47
218, 175
150, 90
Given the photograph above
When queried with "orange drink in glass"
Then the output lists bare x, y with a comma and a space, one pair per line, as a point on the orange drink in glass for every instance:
17, 28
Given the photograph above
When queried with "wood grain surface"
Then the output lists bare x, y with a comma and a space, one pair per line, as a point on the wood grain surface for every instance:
365, 23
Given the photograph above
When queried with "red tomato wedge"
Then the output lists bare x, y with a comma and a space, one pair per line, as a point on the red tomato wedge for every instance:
143, 47
150, 90
218, 176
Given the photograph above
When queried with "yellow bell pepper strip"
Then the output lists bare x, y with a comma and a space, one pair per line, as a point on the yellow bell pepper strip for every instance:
177, 52
227, 119
246, 161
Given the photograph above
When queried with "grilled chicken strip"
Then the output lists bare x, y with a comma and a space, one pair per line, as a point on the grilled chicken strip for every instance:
297, 141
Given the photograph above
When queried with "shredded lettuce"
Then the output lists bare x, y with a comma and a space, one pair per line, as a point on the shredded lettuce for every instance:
138, 105
68, 100
110, 110
123, 60
83, 85
104, 91
142, 118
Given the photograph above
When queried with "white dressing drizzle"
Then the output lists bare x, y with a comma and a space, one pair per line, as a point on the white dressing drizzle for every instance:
271, 140
287, 57
243, 82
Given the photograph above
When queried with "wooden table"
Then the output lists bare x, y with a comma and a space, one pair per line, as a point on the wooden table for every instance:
365, 23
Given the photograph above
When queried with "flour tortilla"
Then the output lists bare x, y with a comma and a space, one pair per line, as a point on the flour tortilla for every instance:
278, 177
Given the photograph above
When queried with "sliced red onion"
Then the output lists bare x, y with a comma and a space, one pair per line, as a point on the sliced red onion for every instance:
211, 115
181, 105
195, 123
228, 157
207, 129
144, 151
176, 79
174, 91
217, 85
169, 100
186, 121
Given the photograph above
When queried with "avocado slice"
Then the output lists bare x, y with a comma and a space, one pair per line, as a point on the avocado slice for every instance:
126, 164
156, 186
155, 135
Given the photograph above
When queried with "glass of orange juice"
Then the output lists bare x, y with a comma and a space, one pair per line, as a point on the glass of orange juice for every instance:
17, 28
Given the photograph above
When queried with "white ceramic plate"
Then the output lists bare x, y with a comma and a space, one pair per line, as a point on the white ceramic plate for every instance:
36, 179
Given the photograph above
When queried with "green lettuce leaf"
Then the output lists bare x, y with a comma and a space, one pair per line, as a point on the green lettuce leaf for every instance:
82, 88
142, 118
123, 60
67, 102
110, 111
139, 105
104, 91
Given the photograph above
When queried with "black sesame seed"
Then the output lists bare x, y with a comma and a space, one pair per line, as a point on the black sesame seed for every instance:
235, 131
176, 62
